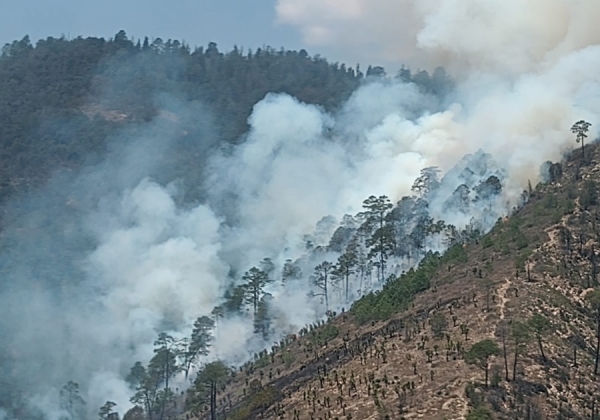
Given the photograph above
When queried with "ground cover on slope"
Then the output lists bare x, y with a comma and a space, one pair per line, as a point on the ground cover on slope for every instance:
401, 352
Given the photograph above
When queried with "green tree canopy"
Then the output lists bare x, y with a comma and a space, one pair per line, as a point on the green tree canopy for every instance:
438, 324
480, 353
255, 281
540, 325
580, 128
199, 343
321, 279
208, 382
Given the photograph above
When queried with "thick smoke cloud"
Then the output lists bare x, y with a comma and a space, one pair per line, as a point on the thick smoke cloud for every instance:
528, 69
97, 262
495, 36
104, 259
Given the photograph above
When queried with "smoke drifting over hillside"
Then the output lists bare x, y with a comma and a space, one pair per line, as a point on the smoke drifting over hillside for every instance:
501, 37
528, 68
98, 263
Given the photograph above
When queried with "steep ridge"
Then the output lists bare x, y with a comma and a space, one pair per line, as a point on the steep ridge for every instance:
540, 261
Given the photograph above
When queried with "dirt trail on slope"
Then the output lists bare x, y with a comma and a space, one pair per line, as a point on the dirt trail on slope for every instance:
502, 292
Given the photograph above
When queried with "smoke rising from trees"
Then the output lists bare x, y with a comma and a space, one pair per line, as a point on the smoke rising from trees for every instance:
99, 262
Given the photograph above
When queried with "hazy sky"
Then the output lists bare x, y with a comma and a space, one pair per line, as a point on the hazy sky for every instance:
249, 23
349, 31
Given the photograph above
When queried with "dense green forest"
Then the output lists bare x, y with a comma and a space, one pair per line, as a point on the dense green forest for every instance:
61, 99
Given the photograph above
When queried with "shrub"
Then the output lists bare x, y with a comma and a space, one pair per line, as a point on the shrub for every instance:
479, 413
398, 293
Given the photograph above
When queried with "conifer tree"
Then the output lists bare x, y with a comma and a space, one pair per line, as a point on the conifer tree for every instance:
199, 343
480, 353
381, 242
346, 264
580, 128
255, 281
321, 280
520, 334
540, 326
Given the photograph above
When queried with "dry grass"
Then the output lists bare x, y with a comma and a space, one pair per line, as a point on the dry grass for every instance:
385, 369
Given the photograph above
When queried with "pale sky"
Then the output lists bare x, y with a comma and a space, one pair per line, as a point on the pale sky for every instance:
347, 31
248, 23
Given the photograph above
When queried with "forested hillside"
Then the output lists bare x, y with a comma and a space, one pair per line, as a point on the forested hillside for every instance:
61, 99
133, 286
104, 140
190, 233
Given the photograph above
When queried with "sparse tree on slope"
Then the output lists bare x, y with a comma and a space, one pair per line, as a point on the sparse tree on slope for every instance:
427, 182
268, 267
520, 335
234, 299
418, 237
438, 324
580, 128
381, 246
594, 300
262, 318
503, 332
345, 267
146, 385
199, 344
479, 413
218, 312
163, 366
480, 354
208, 382
135, 413
291, 271
381, 243
540, 326
321, 279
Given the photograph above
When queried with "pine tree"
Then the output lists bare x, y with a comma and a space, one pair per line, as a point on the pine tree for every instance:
163, 366
581, 128
381, 242
255, 281
427, 182
479, 354
520, 334
199, 343
346, 264
209, 381
321, 279
262, 318
106, 411
540, 326
291, 271
594, 300
71, 401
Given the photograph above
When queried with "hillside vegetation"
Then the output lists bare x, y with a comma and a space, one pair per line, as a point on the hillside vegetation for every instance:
505, 327
62, 100
67, 107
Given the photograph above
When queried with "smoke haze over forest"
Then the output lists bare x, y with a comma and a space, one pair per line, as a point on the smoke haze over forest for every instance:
101, 258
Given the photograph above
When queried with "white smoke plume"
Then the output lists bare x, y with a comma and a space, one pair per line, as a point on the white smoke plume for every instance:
528, 69
104, 260
514, 36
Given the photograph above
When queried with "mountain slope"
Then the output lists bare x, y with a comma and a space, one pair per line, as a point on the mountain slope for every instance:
542, 260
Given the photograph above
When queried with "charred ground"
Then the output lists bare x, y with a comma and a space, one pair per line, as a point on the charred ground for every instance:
529, 285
